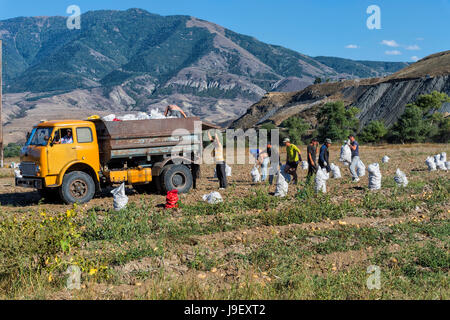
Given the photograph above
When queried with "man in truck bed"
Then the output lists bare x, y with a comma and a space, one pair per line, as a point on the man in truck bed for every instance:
173, 110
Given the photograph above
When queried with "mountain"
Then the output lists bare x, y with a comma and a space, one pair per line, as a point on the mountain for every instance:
377, 98
121, 61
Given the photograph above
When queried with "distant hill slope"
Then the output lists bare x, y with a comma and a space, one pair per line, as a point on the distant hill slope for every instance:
133, 60
377, 98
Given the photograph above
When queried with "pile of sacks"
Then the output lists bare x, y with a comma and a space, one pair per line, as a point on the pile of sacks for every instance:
374, 176
438, 161
154, 114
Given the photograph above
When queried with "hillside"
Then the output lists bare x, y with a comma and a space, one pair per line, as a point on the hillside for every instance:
133, 60
377, 98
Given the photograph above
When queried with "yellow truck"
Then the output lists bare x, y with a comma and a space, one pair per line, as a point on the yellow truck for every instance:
75, 159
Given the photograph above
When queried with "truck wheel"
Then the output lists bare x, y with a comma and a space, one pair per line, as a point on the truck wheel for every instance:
77, 187
176, 177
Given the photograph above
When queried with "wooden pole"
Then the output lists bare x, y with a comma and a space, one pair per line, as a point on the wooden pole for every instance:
1, 109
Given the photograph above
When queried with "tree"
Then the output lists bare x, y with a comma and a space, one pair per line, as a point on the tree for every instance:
373, 132
421, 122
296, 128
318, 80
336, 121
411, 126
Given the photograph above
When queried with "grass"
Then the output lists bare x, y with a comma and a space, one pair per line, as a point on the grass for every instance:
254, 246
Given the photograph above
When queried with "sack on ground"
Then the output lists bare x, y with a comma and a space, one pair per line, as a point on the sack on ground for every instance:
400, 178
213, 197
431, 164
281, 186
120, 199
305, 165
439, 164
335, 171
256, 176
444, 157
321, 180
172, 199
447, 165
374, 176
360, 169
346, 155
385, 159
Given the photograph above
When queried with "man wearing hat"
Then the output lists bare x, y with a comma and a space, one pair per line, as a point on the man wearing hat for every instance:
293, 157
324, 155
311, 151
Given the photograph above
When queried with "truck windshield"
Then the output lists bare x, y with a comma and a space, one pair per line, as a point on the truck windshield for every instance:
39, 136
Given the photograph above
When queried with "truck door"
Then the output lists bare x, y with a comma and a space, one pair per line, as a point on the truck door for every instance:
61, 150
87, 148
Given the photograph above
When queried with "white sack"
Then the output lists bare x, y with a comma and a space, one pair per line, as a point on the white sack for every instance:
400, 178
213, 197
17, 173
305, 165
447, 165
335, 171
256, 176
227, 170
286, 176
281, 186
120, 199
346, 155
360, 169
439, 164
385, 159
374, 176
109, 117
444, 156
142, 116
321, 180
431, 164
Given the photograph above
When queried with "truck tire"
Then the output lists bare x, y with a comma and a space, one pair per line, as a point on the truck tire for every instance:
77, 187
176, 177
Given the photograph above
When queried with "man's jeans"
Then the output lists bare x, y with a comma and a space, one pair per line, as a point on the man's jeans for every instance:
264, 168
353, 165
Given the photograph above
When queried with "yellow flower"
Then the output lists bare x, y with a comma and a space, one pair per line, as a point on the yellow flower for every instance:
92, 272
68, 213
50, 278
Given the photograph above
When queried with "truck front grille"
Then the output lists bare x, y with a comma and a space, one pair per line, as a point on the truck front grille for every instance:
27, 168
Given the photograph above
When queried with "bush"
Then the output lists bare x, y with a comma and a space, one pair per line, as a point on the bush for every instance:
296, 129
12, 150
373, 132
336, 121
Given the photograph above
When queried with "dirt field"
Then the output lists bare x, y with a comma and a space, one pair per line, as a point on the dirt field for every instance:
252, 246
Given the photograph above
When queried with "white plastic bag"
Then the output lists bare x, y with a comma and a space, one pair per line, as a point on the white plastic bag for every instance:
431, 164
109, 117
256, 176
213, 197
385, 159
374, 176
305, 165
156, 114
282, 186
444, 157
346, 155
142, 116
360, 169
447, 165
17, 173
400, 178
321, 180
127, 117
335, 171
120, 199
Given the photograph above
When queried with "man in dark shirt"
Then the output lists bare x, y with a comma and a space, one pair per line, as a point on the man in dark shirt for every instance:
324, 155
354, 146
311, 151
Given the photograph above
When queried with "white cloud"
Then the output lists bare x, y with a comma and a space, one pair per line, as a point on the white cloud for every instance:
393, 52
412, 47
390, 43
415, 58
352, 46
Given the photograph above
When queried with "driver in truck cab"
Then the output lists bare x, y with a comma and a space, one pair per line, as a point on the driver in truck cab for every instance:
67, 138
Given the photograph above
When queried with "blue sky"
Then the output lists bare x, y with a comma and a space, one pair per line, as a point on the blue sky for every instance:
410, 29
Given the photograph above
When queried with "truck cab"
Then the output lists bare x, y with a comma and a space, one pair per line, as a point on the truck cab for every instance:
53, 152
